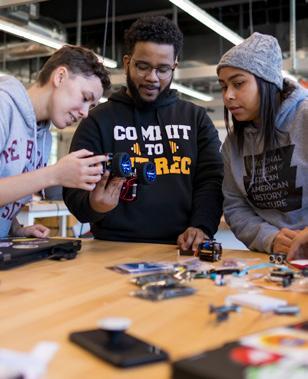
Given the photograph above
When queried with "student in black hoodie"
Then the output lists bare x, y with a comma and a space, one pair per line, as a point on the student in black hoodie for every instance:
147, 120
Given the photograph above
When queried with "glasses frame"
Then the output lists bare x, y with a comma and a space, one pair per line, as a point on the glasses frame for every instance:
150, 67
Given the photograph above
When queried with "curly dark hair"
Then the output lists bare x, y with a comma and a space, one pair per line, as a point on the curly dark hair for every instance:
157, 29
78, 60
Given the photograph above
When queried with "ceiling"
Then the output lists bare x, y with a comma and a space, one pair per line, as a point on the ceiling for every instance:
202, 47
233, 13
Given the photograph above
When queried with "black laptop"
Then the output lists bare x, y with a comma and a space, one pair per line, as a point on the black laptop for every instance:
18, 251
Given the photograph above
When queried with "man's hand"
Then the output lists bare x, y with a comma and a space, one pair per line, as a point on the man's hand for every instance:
299, 246
79, 169
37, 230
191, 239
283, 240
106, 194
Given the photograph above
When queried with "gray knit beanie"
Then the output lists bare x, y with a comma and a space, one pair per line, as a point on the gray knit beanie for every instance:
259, 54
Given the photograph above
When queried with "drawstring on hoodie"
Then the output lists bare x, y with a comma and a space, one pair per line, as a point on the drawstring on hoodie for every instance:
139, 133
138, 125
168, 151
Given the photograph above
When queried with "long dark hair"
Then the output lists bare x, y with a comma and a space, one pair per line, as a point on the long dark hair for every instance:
270, 101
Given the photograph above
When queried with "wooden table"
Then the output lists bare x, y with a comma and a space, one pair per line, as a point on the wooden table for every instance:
48, 300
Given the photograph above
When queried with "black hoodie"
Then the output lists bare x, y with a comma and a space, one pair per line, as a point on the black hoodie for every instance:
181, 140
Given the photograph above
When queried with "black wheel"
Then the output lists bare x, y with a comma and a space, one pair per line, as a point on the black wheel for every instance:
280, 259
146, 173
121, 165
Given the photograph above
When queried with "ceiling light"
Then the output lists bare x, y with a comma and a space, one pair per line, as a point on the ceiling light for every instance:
208, 20
191, 92
37, 37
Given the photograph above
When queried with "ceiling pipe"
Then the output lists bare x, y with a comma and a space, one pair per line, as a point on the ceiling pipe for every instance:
113, 36
293, 35
160, 12
79, 23
250, 18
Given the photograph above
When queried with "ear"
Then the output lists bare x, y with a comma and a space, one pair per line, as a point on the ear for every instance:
126, 60
176, 62
59, 75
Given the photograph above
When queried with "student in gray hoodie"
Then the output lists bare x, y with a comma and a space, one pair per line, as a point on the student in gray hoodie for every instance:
265, 153
71, 82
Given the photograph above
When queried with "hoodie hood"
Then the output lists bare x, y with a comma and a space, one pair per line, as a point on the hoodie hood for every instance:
18, 96
290, 105
19, 99
122, 97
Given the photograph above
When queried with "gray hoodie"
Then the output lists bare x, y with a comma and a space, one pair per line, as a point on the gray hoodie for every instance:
24, 144
262, 196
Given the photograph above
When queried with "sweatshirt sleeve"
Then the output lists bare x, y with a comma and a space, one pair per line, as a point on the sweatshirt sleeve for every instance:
5, 114
247, 226
87, 136
207, 193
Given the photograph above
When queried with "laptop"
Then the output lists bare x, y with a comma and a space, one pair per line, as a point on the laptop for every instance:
16, 251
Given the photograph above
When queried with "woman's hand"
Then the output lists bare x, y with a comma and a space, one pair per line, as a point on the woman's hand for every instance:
299, 246
283, 240
37, 230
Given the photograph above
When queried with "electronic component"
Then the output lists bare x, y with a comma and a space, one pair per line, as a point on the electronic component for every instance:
259, 302
278, 258
119, 164
284, 276
210, 250
222, 312
287, 310
160, 278
161, 292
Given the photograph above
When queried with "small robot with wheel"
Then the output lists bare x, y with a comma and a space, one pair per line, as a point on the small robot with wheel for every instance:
208, 250
119, 164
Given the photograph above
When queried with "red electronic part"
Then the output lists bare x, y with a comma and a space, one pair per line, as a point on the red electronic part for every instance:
300, 263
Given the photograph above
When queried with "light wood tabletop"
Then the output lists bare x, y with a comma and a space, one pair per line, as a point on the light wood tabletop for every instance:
48, 300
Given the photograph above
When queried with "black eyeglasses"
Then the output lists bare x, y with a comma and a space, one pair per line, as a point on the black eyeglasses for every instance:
143, 69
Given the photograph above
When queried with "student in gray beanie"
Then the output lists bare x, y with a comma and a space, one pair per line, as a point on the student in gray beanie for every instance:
265, 153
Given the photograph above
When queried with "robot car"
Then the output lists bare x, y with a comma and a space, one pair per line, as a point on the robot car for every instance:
209, 250
119, 164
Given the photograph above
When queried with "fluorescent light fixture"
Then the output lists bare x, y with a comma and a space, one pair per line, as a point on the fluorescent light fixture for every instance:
191, 92
103, 99
37, 37
208, 20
